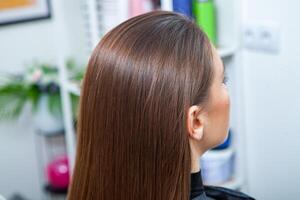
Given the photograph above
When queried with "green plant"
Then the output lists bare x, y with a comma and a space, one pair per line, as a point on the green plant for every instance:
38, 79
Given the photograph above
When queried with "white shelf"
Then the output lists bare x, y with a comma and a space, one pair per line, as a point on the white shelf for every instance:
225, 52
73, 88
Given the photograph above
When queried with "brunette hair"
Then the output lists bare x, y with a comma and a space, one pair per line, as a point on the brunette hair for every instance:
132, 136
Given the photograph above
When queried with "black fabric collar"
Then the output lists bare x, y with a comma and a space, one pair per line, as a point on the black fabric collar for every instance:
197, 187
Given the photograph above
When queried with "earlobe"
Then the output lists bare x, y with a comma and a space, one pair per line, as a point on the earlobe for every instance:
198, 134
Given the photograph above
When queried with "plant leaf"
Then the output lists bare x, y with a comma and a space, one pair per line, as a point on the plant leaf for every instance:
75, 105
12, 100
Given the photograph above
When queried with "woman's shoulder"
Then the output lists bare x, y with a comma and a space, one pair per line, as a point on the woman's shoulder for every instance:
220, 193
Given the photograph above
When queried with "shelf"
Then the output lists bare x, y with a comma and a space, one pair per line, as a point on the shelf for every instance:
50, 134
225, 52
55, 191
73, 88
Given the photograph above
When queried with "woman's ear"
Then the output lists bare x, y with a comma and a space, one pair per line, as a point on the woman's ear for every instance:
195, 122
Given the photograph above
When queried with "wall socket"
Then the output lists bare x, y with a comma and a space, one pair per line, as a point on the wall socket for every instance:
262, 37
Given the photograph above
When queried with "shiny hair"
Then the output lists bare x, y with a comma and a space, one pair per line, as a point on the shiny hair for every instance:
132, 134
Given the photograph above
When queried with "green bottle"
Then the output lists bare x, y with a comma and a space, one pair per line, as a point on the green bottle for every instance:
205, 15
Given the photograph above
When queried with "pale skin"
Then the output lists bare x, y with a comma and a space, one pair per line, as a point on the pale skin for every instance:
208, 126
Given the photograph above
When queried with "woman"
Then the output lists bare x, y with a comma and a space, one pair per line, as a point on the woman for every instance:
153, 101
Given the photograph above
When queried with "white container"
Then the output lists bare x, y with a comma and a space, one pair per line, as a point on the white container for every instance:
217, 166
45, 121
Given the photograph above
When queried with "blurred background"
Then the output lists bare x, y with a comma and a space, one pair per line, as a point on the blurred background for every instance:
44, 49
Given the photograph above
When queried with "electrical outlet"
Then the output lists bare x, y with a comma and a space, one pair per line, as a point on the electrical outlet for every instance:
268, 38
250, 36
262, 37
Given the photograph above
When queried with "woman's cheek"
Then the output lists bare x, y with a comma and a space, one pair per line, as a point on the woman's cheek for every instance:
217, 129
226, 114
223, 114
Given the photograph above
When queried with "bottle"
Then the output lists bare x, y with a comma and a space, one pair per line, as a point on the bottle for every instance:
205, 15
137, 7
184, 7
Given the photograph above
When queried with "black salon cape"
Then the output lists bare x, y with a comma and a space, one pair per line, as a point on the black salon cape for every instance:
201, 192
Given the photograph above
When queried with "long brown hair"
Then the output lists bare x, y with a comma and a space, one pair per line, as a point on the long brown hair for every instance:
132, 137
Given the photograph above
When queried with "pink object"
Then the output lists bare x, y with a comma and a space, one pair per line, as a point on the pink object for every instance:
137, 7
58, 172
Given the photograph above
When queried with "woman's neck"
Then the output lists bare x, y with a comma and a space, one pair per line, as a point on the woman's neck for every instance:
195, 163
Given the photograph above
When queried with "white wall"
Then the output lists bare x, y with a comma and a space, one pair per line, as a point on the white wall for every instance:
272, 94
18, 164
21, 44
